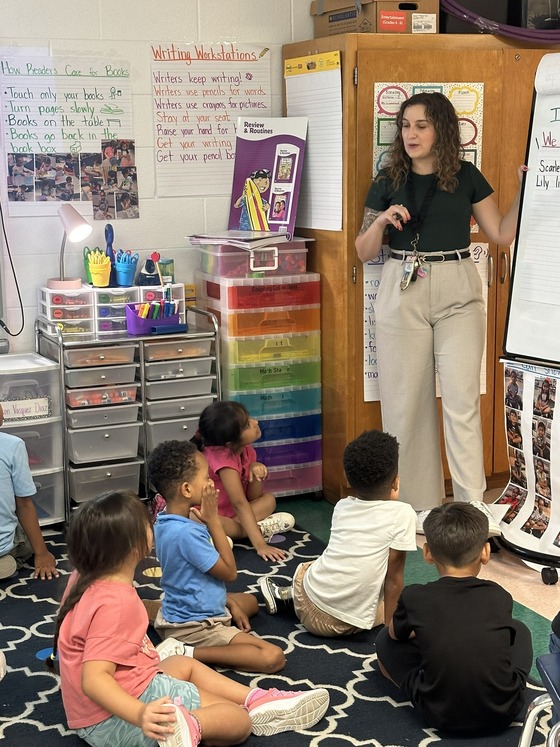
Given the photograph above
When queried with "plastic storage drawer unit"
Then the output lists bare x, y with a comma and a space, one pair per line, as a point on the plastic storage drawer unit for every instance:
178, 388
229, 261
270, 374
278, 427
166, 409
81, 377
280, 453
182, 429
89, 482
29, 387
110, 355
178, 369
162, 351
49, 499
90, 417
293, 480
101, 444
43, 441
101, 395
259, 293
277, 401
271, 348
277, 321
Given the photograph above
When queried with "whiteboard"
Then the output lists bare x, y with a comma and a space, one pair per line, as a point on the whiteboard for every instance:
533, 317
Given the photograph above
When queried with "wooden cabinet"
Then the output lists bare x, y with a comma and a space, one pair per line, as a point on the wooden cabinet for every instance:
507, 71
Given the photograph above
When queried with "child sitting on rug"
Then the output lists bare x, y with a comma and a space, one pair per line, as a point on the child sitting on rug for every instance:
452, 645
115, 687
20, 533
196, 560
226, 433
355, 583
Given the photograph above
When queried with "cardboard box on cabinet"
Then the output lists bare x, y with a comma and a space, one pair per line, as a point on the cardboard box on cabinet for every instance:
342, 17
371, 16
420, 17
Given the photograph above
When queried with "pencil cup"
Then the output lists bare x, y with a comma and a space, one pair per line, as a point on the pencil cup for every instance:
101, 275
125, 272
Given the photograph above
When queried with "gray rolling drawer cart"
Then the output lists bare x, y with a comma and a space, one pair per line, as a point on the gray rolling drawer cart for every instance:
123, 394
30, 397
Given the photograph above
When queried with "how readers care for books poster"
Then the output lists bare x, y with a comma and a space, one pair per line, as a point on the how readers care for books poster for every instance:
267, 173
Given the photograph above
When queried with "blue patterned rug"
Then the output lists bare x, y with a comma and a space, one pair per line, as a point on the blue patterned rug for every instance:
365, 708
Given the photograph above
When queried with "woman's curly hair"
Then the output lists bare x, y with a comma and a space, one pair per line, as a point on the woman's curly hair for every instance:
447, 147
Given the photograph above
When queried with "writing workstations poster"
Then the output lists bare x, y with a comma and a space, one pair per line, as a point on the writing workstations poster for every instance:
67, 135
267, 173
198, 93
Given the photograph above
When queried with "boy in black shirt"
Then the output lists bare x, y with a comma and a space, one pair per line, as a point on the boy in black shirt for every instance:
452, 645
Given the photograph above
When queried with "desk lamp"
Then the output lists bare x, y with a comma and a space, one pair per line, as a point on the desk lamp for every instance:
76, 228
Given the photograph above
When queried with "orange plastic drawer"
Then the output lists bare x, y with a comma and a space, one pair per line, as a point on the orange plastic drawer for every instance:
276, 321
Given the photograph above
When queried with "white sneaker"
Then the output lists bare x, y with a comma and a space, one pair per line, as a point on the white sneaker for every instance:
276, 523
420, 516
2, 665
173, 647
493, 526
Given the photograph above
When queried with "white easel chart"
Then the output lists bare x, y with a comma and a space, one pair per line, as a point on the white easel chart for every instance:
57, 114
198, 92
371, 281
534, 303
314, 90
467, 99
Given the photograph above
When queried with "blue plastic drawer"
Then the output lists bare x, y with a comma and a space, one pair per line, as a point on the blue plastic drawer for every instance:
281, 427
262, 402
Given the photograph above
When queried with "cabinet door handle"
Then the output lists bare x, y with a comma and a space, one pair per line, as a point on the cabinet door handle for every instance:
101, 357
108, 474
182, 408
106, 435
490, 270
102, 377
179, 350
181, 370
504, 264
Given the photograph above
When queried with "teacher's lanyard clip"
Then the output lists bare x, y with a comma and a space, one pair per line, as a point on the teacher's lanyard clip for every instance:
413, 265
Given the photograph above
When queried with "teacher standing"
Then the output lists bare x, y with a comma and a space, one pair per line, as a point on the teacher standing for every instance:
430, 310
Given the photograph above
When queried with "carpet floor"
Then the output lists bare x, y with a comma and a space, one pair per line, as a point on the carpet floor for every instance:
365, 708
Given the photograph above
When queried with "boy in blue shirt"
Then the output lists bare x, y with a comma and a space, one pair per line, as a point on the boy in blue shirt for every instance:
196, 561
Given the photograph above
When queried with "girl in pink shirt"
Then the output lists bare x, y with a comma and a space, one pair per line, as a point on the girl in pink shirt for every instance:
116, 688
226, 433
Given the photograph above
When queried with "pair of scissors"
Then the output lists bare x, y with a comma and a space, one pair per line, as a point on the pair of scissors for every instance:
127, 257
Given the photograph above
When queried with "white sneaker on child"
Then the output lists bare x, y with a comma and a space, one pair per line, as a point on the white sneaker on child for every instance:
493, 526
173, 647
274, 711
276, 523
420, 516
187, 730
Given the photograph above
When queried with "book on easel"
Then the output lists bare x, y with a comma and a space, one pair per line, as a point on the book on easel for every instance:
241, 239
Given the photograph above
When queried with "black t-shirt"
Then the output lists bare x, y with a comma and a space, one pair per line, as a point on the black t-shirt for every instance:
446, 226
463, 626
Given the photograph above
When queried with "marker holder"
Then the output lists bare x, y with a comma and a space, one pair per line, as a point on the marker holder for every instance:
136, 325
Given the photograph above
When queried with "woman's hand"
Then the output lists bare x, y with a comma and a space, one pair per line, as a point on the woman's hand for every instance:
395, 215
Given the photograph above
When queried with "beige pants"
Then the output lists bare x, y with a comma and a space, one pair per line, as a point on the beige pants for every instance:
216, 631
438, 321
313, 618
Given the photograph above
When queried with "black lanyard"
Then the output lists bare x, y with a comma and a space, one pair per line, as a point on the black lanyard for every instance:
418, 217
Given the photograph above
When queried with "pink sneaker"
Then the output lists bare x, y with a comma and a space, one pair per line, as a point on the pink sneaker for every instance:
187, 730
273, 711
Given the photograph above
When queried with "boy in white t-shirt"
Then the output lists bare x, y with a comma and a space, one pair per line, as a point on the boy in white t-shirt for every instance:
356, 582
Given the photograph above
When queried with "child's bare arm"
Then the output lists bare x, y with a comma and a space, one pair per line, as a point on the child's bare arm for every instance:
232, 484
394, 582
99, 684
257, 473
225, 568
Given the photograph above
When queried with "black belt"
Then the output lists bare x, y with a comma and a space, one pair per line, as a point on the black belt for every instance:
453, 256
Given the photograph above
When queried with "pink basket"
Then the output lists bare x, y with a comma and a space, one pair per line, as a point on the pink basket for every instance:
135, 325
